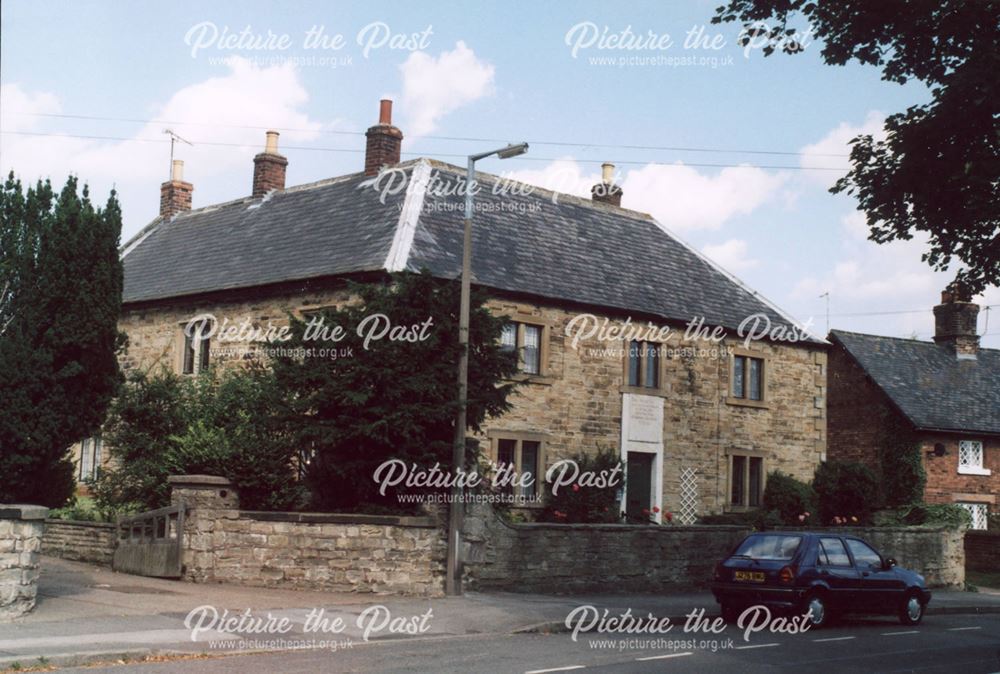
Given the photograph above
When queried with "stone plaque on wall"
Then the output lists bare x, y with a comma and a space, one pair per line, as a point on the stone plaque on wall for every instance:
642, 417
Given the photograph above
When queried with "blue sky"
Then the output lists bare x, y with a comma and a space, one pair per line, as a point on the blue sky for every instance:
490, 70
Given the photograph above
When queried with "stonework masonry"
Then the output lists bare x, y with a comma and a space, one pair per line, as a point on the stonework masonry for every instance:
21, 528
589, 557
576, 401
92, 542
338, 553
570, 558
937, 553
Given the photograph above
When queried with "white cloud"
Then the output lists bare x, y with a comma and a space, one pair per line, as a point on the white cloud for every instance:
732, 255
564, 175
678, 196
833, 150
219, 109
433, 87
18, 106
886, 288
683, 199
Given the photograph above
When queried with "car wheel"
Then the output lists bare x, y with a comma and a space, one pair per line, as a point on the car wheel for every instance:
730, 613
818, 608
911, 611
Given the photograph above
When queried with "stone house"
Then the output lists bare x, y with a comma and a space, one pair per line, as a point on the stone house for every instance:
944, 393
697, 420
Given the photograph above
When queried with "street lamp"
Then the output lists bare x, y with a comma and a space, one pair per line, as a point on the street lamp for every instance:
452, 583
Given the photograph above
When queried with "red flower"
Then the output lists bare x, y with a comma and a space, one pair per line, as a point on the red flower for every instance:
576, 487
669, 516
656, 509
645, 511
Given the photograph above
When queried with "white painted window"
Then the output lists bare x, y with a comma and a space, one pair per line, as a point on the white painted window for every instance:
90, 458
979, 512
970, 458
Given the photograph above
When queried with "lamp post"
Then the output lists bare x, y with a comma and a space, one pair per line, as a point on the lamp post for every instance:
452, 582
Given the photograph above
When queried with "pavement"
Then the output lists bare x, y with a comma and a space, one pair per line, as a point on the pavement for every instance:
88, 614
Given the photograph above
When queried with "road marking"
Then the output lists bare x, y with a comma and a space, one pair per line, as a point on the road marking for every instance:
894, 634
554, 669
743, 648
960, 629
833, 639
664, 657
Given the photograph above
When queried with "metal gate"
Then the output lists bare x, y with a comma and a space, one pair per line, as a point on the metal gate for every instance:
149, 544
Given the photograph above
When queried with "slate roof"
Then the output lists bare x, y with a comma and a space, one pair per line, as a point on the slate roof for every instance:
928, 383
543, 244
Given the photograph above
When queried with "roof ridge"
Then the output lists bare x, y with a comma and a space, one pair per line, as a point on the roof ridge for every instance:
898, 339
538, 189
398, 256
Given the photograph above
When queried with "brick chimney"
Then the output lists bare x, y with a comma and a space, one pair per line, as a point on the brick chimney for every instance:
955, 322
175, 194
269, 167
606, 191
384, 141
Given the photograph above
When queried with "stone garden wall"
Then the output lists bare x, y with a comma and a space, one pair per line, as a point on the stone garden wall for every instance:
567, 558
339, 553
92, 542
21, 528
938, 554
982, 550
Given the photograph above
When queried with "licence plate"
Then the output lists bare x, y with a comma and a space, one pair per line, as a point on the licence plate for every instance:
749, 576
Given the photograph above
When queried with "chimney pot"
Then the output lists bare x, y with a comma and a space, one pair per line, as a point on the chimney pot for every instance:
177, 171
384, 142
385, 111
271, 145
269, 167
607, 173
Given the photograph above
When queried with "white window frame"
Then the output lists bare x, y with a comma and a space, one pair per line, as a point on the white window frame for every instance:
976, 449
90, 458
980, 513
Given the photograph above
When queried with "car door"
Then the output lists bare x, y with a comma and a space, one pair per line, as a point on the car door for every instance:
880, 588
834, 567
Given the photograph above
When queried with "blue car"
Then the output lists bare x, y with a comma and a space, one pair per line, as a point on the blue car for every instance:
824, 574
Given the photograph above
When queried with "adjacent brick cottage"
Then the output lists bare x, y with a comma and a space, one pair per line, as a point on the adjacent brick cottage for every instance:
703, 419
945, 394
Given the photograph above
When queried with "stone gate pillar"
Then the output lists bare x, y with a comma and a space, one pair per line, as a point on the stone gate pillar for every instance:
208, 499
21, 528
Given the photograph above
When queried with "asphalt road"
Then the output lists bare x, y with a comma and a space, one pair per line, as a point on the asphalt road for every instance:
956, 643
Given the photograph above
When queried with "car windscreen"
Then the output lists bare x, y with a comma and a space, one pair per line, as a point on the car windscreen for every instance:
769, 546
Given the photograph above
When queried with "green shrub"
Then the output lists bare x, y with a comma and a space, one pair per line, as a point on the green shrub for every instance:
792, 500
79, 509
579, 504
901, 467
230, 425
845, 491
931, 515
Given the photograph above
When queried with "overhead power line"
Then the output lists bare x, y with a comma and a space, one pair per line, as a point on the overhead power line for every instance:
421, 154
656, 148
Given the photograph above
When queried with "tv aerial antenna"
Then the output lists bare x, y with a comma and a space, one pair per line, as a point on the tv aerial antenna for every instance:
174, 138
